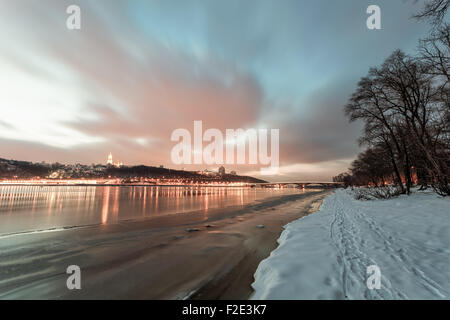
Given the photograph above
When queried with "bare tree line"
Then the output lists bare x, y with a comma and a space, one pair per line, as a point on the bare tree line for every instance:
405, 107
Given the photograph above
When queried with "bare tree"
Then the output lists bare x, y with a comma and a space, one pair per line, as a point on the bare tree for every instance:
434, 10
435, 52
405, 107
368, 103
402, 108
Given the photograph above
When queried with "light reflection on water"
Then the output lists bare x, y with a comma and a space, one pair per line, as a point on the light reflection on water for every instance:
26, 208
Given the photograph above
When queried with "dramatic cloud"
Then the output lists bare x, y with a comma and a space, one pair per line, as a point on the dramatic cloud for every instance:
137, 70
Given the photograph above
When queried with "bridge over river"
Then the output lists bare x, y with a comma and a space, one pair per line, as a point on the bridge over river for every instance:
301, 184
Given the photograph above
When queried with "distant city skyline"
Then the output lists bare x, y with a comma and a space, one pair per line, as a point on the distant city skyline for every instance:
137, 70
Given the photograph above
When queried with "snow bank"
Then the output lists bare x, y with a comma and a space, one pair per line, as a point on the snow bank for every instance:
325, 255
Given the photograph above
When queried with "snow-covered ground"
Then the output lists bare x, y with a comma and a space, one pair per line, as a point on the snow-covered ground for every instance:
326, 254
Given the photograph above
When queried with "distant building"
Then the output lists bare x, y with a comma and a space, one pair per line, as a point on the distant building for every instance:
206, 172
110, 160
222, 170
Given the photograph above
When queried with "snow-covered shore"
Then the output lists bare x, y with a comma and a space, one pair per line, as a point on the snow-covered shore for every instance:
326, 254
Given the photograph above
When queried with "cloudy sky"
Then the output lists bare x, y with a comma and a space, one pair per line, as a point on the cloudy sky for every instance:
137, 70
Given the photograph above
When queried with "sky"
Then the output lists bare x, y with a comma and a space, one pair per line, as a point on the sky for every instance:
138, 70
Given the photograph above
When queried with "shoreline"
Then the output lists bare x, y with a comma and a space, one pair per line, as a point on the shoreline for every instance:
123, 185
404, 238
155, 259
236, 283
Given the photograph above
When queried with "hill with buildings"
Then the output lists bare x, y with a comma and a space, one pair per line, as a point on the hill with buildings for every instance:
15, 169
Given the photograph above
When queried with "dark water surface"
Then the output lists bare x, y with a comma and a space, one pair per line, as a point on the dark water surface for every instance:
32, 208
